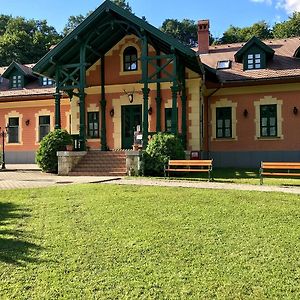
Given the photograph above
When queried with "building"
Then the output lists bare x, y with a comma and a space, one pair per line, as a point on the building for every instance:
234, 103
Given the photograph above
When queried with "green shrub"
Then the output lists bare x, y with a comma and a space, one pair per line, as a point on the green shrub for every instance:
161, 148
46, 156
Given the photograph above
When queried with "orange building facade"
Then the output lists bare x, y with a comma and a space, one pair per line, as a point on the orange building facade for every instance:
239, 106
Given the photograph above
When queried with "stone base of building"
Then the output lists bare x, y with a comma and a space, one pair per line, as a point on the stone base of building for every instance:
19, 157
251, 159
67, 160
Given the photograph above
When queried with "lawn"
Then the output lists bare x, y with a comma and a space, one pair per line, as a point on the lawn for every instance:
127, 242
242, 176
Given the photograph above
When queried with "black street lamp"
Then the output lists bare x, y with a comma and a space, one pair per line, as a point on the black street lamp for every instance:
3, 134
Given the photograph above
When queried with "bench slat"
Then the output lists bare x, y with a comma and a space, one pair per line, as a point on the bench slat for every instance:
187, 170
280, 174
282, 167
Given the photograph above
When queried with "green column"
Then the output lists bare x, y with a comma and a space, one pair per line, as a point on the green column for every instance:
103, 106
158, 96
145, 89
174, 127
57, 97
81, 94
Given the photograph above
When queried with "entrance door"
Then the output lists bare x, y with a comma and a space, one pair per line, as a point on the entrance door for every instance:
131, 117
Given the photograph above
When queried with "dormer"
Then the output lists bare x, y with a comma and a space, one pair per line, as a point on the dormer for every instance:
18, 75
254, 54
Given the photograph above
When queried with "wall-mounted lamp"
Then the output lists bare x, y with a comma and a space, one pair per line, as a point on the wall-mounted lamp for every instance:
112, 112
150, 111
27, 122
295, 110
245, 113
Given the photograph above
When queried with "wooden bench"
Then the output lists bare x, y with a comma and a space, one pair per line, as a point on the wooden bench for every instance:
279, 169
190, 166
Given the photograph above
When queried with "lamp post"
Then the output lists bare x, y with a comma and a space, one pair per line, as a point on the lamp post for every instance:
3, 134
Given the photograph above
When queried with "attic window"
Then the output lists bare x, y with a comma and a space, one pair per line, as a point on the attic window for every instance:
46, 81
223, 64
16, 81
254, 61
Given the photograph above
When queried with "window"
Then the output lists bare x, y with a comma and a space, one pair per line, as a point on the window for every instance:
268, 120
44, 126
168, 119
13, 130
130, 60
46, 81
93, 125
223, 64
254, 61
224, 122
16, 81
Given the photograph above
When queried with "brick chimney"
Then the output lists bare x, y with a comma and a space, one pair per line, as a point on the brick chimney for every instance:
203, 36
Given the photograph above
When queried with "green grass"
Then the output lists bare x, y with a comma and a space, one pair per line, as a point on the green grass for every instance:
242, 176
127, 242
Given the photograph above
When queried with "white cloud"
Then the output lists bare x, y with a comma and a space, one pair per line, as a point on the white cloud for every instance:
288, 5
269, 2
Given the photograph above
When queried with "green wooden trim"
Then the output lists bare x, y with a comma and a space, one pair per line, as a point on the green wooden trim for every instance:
106, 12
57, 97
103, 105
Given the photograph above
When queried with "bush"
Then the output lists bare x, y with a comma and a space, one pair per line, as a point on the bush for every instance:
54, 141
161, 148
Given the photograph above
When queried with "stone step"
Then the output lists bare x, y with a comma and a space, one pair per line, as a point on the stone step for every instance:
90, 173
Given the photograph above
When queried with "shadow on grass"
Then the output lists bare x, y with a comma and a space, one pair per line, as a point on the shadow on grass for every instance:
14, 249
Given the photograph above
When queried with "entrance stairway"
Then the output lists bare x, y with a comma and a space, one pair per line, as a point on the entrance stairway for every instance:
101, 163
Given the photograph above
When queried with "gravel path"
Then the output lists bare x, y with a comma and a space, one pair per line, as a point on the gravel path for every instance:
205, 185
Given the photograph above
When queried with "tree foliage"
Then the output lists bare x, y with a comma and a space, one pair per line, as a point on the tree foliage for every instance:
185, 30
236, 34
24, 41
289, 28
46, 156
161, 148
123, 4
73, 22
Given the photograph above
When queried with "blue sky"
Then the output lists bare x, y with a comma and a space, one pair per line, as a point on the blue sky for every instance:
221, 13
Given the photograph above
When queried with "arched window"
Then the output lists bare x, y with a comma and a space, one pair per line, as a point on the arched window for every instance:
130, 61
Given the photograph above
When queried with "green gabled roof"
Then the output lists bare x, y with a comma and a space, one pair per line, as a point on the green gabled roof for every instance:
254, 41
67, 51
26, 71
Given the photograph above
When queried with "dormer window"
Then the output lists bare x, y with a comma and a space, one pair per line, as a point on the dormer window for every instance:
130, 59
254, 54
16, 81
254, 61
46, 81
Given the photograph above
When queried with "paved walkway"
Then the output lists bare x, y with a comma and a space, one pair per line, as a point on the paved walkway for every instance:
34, 179
29, 176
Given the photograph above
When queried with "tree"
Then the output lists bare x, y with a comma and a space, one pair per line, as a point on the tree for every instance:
236, 34
185, 30
25, 41
73, 22
289, 28
123, 4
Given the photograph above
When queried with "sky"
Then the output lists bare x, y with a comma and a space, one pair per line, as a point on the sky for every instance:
221, 13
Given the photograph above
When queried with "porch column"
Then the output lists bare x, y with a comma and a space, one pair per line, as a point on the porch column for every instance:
174, 126
145, 89
57, 97
81, 95
158, 96
103, 105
